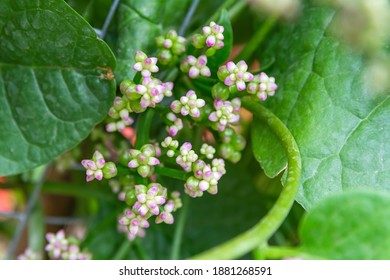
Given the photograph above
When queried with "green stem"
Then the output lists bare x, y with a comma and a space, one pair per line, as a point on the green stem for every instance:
266, 227
170, 172
123, 249
257, 39
143, 128
140, 250
179, 230
276, 252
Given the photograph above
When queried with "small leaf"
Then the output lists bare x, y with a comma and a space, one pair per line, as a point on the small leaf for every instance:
55, 82
352, 225
340, 126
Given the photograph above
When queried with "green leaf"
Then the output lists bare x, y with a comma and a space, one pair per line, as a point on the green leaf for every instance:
352, 225
140, 22
52, 85
339, 125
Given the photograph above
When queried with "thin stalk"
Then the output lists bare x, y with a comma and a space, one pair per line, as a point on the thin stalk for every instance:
24, 217
267, 226
171, 173
123, 249
143, 128
179, 229
109, 18
257, 39
188, 17
276, 252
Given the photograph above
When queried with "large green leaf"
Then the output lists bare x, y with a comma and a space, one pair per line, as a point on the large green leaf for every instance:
340, 126
140, 22
53, 83
352, 225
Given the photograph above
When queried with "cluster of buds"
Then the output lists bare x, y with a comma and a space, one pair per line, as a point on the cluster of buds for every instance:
188, 105
151, 199
147, 201
143, 159
171, 145
262, 86
133, 224
195, 66
226, 112
97, 167
187, 156
205, 178
121, 113
232, 145
212, 37
177, 124
144, 64
208, 151
150, 92
235, 75
61, 248
171, 46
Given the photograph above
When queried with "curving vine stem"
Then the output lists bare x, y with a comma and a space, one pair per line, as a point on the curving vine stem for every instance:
259, 234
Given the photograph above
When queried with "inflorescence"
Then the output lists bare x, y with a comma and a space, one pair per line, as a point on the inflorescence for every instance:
216, 110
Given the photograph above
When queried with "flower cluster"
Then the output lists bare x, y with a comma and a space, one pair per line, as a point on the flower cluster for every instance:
226, 112
171, 46
203, 110
262, 86
187, 156
212, 37
147, 203
177, 124
171, 145
236, 75
205, 178
97, 167
195, 66
61, 248
188, 105
143, 159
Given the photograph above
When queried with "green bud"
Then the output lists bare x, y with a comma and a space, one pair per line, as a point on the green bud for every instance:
172, 34
160, 41
226, 150
220, 91
136, 107
222, 73
127, 85
210, 52
148, 149
198, 41
144, 170
125, 158
165, 57
235, 157
130, 197
178, 49
109, 170
238, 142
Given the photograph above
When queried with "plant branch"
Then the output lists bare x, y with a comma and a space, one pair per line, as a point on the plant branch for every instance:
266, 227
170, 172
143, 128
179, 230
24, 217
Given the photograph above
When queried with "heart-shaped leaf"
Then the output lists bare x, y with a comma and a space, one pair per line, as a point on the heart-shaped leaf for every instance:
340, 126
352, 225
56, 81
